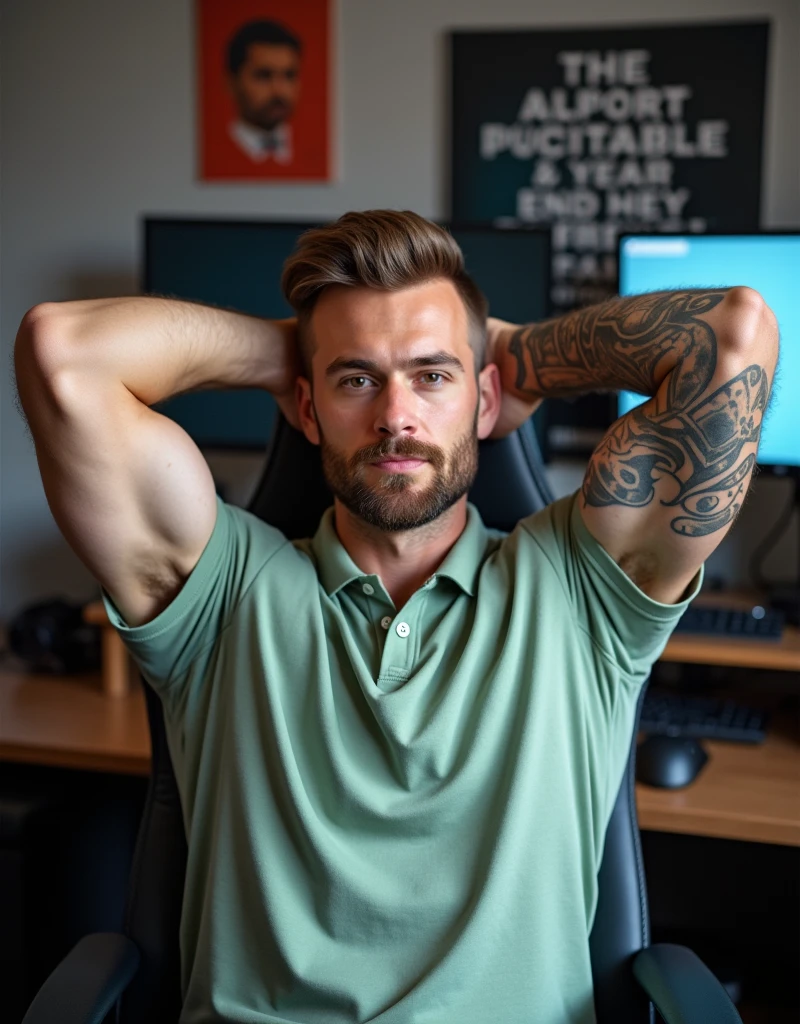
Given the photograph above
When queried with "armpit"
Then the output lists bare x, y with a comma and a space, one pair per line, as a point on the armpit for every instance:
641, 567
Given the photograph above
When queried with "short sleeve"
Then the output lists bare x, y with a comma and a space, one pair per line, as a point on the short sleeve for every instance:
239, 547
625, 624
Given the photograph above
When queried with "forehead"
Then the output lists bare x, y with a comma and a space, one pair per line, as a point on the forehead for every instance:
355, 320
271, 55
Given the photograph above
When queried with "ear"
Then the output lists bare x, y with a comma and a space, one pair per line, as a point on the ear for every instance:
305, 408
489, 392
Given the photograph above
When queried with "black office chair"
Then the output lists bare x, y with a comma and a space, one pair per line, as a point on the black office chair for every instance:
140, 970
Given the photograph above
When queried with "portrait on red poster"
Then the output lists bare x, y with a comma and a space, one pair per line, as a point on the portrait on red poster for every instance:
265, 90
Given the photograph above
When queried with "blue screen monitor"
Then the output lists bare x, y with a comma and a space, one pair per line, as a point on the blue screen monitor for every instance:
770, 263
237, 264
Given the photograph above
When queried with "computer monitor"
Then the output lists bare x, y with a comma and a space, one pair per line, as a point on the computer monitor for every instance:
237, 264
768, 262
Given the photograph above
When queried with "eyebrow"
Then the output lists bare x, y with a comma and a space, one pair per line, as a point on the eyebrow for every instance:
417, 363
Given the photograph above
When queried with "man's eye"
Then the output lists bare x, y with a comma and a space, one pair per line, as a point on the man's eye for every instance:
427, 377
357, 383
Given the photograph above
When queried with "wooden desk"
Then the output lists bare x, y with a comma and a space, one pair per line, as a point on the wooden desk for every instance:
744, 792
68, 721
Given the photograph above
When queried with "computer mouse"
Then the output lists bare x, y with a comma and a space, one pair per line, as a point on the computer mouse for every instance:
669, 762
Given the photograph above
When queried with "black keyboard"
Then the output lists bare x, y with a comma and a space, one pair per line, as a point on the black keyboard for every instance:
756, 623
702, 717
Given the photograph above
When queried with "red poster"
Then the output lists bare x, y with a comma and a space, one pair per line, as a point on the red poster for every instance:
264, 90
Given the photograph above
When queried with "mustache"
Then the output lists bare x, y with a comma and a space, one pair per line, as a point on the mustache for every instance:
407, 446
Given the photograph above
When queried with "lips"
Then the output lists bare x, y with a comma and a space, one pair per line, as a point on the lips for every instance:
399, 464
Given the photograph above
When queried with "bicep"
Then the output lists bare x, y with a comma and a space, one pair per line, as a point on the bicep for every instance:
127, 487
667, 481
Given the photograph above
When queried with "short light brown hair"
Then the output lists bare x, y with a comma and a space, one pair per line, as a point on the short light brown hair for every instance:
384, 249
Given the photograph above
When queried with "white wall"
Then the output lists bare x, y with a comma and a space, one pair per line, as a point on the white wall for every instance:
98, 128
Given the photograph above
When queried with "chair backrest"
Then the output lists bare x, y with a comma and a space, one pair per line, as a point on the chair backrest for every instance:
291, 495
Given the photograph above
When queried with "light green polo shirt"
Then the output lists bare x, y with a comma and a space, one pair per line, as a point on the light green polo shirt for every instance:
397, 816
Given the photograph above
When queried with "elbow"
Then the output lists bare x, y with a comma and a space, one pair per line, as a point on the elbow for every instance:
751, 327
37, 316
40, 338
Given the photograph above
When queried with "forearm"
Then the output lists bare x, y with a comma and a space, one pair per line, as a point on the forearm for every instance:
161, 347
630, 343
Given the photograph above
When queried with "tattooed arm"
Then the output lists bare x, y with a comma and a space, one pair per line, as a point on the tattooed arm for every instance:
666, 482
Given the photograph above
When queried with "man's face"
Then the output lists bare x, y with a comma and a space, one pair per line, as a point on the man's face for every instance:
267, 85
396, 407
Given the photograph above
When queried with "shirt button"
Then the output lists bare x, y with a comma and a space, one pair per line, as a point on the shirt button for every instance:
386, 621
368, 588
402, 629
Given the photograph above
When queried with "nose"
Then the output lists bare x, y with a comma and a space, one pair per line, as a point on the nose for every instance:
396, 410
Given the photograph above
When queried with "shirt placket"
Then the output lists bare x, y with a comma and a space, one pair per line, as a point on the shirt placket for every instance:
399, 633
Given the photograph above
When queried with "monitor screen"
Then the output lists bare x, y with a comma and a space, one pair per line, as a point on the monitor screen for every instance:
767, 262
238, 264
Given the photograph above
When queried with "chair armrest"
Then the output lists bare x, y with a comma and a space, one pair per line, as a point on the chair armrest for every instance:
682, 988
87, 982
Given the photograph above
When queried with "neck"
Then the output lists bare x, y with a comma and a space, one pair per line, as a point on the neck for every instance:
403, 560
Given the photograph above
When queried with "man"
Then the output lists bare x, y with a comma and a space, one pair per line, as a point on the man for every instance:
264, 78
398, 743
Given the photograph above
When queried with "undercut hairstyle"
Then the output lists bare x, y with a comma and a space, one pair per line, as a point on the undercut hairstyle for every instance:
271, 33
382, 249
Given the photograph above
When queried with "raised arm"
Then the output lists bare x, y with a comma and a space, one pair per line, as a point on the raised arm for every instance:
126, 485
666, 482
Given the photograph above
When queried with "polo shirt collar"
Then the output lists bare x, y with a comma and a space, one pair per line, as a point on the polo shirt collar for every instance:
336, 568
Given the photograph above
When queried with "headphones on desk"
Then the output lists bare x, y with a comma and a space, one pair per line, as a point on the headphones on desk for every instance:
51, 636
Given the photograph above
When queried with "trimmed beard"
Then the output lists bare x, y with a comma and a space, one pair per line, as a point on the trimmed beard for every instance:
391, 505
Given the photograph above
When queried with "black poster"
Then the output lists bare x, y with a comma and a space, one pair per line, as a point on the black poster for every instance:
600, 131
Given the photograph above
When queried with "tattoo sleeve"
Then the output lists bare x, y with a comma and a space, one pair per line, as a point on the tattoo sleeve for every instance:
698, 437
